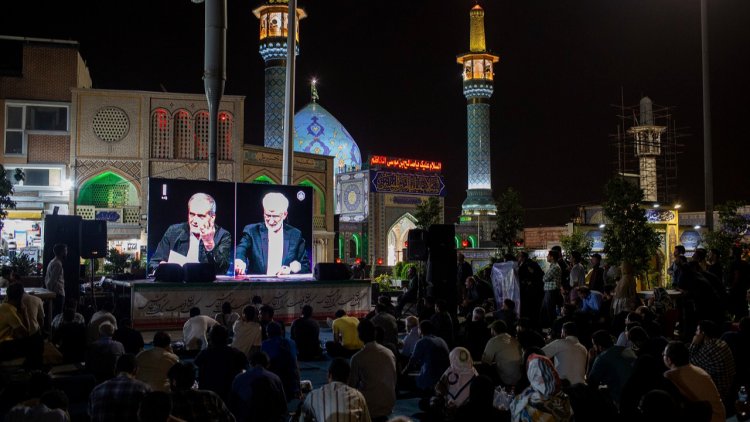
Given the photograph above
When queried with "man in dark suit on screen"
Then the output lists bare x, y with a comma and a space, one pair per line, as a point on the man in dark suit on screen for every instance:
272, 247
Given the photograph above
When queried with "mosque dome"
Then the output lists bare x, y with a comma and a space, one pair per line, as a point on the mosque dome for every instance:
316, 131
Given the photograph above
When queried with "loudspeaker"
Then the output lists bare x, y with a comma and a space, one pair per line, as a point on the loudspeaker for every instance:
331, 271
442, 237
64, 229
441, 265
169, 273
416, 248
93, 238
199, 272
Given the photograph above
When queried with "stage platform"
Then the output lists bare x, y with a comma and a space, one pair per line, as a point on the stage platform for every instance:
166, 306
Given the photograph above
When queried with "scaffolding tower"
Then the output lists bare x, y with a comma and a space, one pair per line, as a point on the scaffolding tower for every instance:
647, 145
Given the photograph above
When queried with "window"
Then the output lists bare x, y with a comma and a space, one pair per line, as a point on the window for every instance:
23, 118
201, 135
183, 134
161, 134
38, 176
225, 136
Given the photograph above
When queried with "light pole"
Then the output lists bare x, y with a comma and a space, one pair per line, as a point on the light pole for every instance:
708, 172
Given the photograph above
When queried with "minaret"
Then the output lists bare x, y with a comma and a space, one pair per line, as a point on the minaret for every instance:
273, 34
478, 75
647, 138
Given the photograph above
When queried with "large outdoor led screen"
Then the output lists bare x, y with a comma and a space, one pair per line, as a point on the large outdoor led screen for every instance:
240, 228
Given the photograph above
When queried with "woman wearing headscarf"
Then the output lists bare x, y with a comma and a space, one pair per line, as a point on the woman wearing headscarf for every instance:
453, 386
544, 399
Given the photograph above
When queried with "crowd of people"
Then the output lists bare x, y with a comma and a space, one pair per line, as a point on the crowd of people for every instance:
578, 345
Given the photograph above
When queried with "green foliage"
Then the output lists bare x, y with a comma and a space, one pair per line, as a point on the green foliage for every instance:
6, 190
384, 281
732, 228
577, 241
116, 261
396, 270
509, 221
628, 237
21, 265
428, 213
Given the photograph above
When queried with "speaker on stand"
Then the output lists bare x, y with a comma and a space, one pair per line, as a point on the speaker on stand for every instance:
93, 245
64, 229
441, 264
416, 248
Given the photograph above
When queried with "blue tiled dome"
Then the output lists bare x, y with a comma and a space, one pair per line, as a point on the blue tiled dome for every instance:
316, 131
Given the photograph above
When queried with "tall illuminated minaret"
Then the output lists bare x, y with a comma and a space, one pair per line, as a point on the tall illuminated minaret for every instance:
273, 16
478, 75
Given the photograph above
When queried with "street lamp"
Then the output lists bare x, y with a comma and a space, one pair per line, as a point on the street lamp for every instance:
708, 172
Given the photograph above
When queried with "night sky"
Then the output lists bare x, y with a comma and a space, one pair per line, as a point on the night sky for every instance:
387, 71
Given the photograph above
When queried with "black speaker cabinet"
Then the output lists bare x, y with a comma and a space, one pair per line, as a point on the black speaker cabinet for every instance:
416, 248
442, 237
331, 271
199, 272
169, 273
64, 229
93, 238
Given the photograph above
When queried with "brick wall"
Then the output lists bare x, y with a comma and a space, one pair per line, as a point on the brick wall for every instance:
49, 72
48, 149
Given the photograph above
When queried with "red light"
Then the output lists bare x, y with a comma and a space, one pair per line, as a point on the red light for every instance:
465, 243
338, 260
358, 260
406, 243
380, 261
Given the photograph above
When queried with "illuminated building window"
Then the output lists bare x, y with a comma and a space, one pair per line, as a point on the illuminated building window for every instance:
478, 69
183, 135
201, 135
226, 121
161, 134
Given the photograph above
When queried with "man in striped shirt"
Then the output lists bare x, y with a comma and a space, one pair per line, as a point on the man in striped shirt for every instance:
336, 401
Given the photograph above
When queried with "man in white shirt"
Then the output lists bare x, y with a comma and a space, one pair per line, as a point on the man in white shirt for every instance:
412, 336
32, 313
335, 401
504, 352
272, 247
153, 364
569, 354
195, 329
248, 334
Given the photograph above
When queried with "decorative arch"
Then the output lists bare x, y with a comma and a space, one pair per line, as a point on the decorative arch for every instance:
202, 119
108, 190
341, 247
161, 134
473, 241
457, 239
357, 241
263, 179
319, 198
398, 234
184, 136
226, 125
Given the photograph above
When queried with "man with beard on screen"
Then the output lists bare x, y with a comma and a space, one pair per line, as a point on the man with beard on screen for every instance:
198, 240
272, 247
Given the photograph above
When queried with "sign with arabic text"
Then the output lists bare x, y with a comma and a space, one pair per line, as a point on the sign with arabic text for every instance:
397, 163
407, 183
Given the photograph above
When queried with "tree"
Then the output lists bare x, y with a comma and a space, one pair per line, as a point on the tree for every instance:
116, 261
6, 190
577, 242
509, 221
629, 239
428, 213
732, 228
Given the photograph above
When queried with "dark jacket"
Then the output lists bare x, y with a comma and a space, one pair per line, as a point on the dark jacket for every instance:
177, 238
253, 248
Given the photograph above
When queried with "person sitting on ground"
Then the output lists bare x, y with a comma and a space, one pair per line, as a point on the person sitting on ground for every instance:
430, 356
504, 352
412, 337
648, 374
411, 295
195, 329
568, 355
283, 355
15, 341
336, 399
219, 363
345, 342
156, 406
103, 354
527, 336
543, 399
476, 333
248, 334
739, 344
508, 314
622, 339
475, 295
227, 317
32, 314
567, 314
191, 404
373, 372
426, 308
305, 332
479, 407
131, 339
153, 364
266, 317
258, 394
58, 319
5, 277
613, 365
100, 317
713, 355
388, 322
591, 301
693, 382
118, 399
453, 386
443, 322
70, 336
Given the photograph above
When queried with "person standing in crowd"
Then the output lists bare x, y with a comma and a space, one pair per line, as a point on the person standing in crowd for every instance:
531, 284
118, 399
552, 282
336, 400
54, 280
258, 394
305, 332
678, 253
738, 280
373, 372
248, 334
195, 329
568, 354
596, 274
463, 271
564, 267
219, 363
346, 341
692, 382
504, 352
191, 404
577, 274
227, 317
153, 364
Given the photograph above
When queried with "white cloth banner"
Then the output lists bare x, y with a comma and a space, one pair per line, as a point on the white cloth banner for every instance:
505, 284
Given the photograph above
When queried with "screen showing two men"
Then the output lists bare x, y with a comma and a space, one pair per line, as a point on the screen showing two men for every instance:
238, 228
